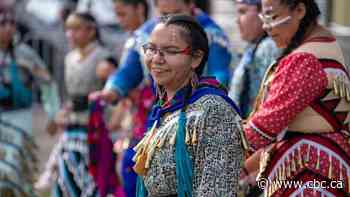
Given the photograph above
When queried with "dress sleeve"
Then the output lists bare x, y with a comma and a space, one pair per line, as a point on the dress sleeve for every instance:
299, 79
219, 61
129, 74
219, 155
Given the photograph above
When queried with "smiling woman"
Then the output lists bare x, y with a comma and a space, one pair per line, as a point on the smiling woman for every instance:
193, 146
300, 124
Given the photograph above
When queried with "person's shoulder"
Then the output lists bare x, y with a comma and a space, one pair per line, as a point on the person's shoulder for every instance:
300, 61
214, 32
267, 43
102, 50
146, 27
214, 102
23, 46
140, 36
267, 49
24, 49
299, 56
72, 56
206, 21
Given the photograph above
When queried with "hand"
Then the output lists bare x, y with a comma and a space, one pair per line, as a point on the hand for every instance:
51, 127
107, 95
248, 178
61, 118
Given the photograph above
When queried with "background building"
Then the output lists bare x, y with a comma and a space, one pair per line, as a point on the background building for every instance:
336, 16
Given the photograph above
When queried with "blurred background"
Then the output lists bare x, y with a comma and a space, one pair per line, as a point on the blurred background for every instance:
40, 25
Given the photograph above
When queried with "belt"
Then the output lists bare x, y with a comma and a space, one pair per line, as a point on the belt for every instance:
80, 103
76, 127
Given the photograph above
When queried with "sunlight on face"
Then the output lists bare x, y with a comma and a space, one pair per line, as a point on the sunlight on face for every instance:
283, 32
169, 71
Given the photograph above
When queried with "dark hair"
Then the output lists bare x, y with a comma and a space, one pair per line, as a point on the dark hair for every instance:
112, 61
252, 3
135, 3
194, 34
185, 1
8, 15
310, 18
259, 7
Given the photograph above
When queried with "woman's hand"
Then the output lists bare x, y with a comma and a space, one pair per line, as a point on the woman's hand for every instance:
61, 119
107, 95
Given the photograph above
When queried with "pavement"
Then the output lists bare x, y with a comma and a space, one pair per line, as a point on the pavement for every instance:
44, 141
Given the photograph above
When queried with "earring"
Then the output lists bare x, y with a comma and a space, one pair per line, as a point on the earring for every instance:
160, 92
194, 80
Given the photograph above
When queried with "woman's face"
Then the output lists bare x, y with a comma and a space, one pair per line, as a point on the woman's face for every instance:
249, 24
7, 31
172, 66
286, 21
80, 34
129, 16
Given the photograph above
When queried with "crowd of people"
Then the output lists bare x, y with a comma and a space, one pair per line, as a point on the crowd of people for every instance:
181, 113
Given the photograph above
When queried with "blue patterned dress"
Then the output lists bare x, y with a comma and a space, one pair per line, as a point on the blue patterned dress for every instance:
73, 178
19, 68
248, 74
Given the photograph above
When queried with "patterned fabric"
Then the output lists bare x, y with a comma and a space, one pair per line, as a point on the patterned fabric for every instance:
26, 58
133, 71
80, 72
18, 164
248, 74
305, 117
212, 133
297, 81
102, 159
142, 107
73, 178
250, 2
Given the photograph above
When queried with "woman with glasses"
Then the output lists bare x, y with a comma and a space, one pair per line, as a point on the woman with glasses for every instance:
192, 146
300, 125
20, 69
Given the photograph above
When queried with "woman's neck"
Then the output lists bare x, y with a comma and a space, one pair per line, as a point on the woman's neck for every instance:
311, 31
4, 45
171, 91
86, 50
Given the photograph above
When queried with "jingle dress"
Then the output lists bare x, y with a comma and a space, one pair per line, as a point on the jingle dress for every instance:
19, 70
302, 120
196, 152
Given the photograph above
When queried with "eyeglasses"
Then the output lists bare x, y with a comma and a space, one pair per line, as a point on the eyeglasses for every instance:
150, 51
7, 21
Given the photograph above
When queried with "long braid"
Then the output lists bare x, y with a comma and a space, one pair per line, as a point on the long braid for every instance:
184, 168
195, 35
